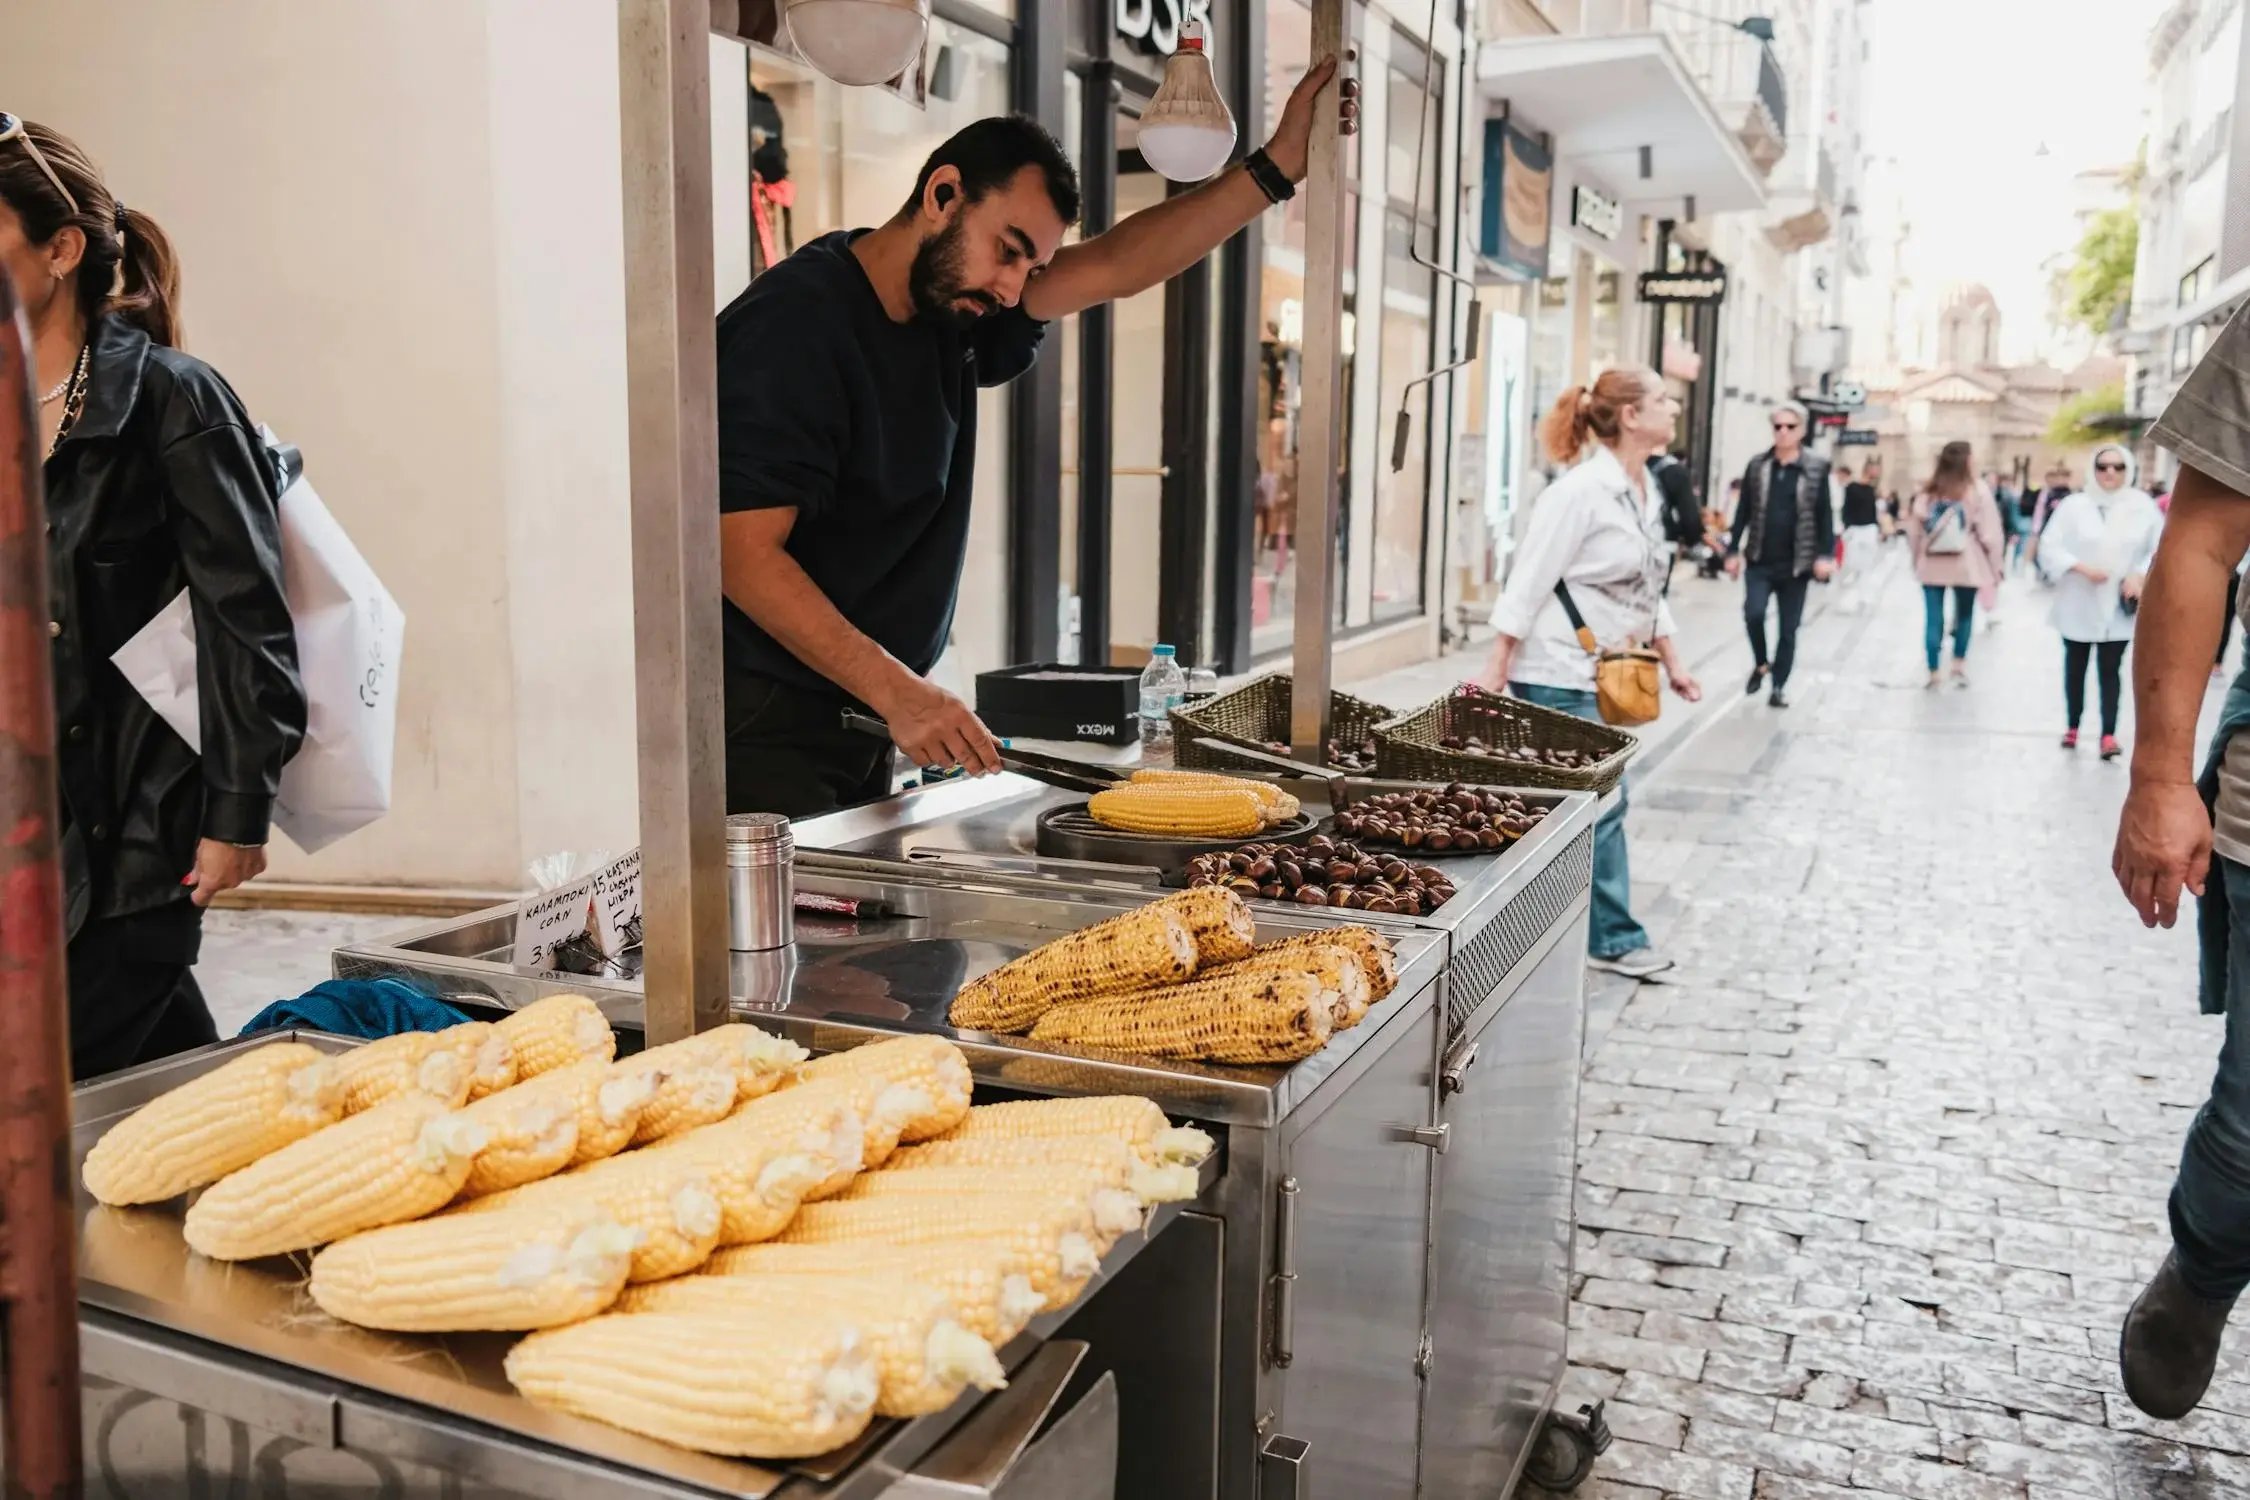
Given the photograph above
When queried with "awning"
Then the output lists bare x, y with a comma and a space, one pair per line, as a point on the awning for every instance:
1603, 98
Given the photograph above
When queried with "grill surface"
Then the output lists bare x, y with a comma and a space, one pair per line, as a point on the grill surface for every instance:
1071, 833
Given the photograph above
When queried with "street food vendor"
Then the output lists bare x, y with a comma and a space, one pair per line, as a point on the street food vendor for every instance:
848, 379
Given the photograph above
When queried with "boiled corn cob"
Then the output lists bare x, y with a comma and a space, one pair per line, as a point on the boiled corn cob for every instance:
691, 1091
556, 1032
762, 1062
762, 1165
1051, 1238
608, 1104
531, 1133
665, 1198
1143, 948
1116, 1208
1278, 805
1222, 923
195, 1134
991, 1301
491, 1060
397, 1161
1179, 812
1115, 1163
522, 1270
876, 1110
1339, 970
1247, 1019
930, 1064
770, 1385
413, 1062
1128, 1117
924, 1357
1377, 955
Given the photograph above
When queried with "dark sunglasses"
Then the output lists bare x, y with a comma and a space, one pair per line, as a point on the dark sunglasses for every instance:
2109, 468
1786, 426
11, 129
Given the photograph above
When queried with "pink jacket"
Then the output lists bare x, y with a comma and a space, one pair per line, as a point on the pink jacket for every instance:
1976, 566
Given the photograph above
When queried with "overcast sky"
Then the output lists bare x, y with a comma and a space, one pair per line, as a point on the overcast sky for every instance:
1964, 93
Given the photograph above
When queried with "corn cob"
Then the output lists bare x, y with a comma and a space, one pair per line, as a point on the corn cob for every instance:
1221, 921
1116, 1208
930, 1064
924, 1358
762, 1062
556, 1032
666, 1198
492, 1062
771, 1385
762, 1165
607, 1103
1150, 946
1377, 955
869, 1116
484, 1271
990, 1301
1114, 1163
1127, 1117
1245, 1019
397, 1161
243, 1109
1338, 969
1179, 812
532, 1133
1278, 805
1051, 1238
413, 1062
695, 1092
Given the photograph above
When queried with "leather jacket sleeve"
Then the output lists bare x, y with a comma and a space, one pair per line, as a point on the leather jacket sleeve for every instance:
1744, 504
224, 521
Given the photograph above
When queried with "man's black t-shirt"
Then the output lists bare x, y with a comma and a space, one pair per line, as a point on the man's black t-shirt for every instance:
1859, 505
1779, 548
868, 428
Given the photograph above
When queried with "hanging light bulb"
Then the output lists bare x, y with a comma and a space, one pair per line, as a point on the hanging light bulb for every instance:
859, 41
1187, 131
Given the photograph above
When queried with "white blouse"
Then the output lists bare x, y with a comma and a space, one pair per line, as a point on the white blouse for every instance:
1594, 530
2119, 538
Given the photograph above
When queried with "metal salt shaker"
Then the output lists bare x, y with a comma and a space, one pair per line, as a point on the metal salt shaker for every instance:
761, 882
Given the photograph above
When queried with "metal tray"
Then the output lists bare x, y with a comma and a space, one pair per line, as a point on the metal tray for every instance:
1072, 833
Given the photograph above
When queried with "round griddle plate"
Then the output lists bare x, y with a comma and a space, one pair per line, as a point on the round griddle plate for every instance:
1071, 833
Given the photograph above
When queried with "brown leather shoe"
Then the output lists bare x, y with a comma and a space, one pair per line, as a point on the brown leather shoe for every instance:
2169, 1345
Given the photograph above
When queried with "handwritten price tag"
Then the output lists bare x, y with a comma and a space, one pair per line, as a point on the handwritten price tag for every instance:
617, 906
546, 921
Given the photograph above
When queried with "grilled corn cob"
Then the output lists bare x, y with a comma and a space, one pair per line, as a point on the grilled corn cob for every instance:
1222, 923
520, 1270
1246, 1019
492, 1062
1051, 1238
778, 1385
991, 1301
1127, 1117
531, 1133
243, 1109
556, 1032
1116, 1208
1180, 812
666, 1199
1143, 948
1377, 955
1114, 1163
413, 1062
1340, 971
924, 1357
397, 1161
761, 1165
931, 1064
1278, 805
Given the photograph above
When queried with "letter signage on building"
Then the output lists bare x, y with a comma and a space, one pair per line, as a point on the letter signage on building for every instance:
1691, 287
1155, 24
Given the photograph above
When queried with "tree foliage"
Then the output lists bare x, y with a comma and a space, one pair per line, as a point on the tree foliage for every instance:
2097, 286
2074, 423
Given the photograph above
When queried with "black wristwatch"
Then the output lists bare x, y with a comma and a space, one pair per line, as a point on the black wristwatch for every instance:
1271, 180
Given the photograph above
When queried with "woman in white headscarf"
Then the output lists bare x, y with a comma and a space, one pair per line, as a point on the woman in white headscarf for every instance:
2096, 551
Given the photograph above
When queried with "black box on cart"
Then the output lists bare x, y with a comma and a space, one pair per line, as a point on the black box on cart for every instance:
1060, 701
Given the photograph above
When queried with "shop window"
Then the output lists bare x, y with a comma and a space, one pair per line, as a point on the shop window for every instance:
1402, 496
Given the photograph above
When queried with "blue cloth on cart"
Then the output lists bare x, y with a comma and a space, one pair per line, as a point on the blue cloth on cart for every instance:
367, 1008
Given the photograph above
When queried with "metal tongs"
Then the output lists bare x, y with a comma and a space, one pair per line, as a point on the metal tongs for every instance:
1054, 770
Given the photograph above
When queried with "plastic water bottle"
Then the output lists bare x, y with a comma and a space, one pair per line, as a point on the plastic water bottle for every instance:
1163, 688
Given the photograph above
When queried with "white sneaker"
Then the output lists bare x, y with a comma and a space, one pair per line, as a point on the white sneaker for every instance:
1642, 963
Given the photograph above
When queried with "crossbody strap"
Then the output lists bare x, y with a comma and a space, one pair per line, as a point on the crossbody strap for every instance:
1577, 620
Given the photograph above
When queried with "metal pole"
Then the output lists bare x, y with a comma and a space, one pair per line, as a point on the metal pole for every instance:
39, 1432
1320, 428
672, 400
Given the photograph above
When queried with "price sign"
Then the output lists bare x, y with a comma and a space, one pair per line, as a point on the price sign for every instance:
547, 921
617, 906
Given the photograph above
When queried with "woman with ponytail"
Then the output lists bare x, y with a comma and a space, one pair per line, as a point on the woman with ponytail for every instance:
1598, 531
156, 482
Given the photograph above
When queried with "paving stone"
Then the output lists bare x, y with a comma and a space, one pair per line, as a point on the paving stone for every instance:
1851, 1430
1651, 1297
1677, 1473
2018, 1394
1704, 1333
1665, 1252
1926, 1479
1610, 1352
1690, 1399
1790, 1487
1770, 1452
1642, 1424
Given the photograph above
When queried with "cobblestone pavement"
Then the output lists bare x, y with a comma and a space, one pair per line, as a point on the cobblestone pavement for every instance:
1863, 1195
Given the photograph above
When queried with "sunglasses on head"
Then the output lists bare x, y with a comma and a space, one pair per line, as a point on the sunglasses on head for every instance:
11, 129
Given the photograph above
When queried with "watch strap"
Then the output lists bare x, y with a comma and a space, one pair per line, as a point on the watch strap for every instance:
1270, 179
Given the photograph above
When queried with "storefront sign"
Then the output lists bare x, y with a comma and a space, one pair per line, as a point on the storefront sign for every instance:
1154, 25
1694, 288
1848, 393
1855, 437
1596, 213
1519, 184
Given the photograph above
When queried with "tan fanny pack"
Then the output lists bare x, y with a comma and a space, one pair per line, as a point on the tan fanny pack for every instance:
1627, 685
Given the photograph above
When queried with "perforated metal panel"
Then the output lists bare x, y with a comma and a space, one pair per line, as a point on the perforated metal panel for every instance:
1486, 959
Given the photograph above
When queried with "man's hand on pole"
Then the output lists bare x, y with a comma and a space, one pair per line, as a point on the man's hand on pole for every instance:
1291, 146
934, 728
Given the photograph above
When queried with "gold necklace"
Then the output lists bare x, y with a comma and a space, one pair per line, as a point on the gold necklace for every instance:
73, 397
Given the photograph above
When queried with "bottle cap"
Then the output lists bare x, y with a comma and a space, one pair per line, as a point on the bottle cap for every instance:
1164, 651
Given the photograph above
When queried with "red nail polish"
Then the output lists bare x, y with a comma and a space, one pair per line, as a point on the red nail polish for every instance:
188, 878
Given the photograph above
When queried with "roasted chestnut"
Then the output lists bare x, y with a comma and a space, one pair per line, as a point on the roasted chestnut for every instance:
1311, 895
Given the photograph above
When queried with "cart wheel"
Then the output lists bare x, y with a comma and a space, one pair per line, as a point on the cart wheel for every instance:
1567, 1447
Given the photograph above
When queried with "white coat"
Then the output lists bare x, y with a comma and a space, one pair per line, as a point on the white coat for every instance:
2114, 531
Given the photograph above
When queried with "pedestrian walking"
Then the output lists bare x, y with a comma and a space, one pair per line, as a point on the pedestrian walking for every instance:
1784, 537
1595, 545
2176, 833
156, 481
2097, 550
1955, 530
1863, 535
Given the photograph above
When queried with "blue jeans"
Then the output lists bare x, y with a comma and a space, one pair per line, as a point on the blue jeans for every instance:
1933, 620
1613, 932
2211, 1199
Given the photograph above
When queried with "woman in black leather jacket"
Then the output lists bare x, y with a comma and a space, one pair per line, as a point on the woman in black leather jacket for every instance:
156, 481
